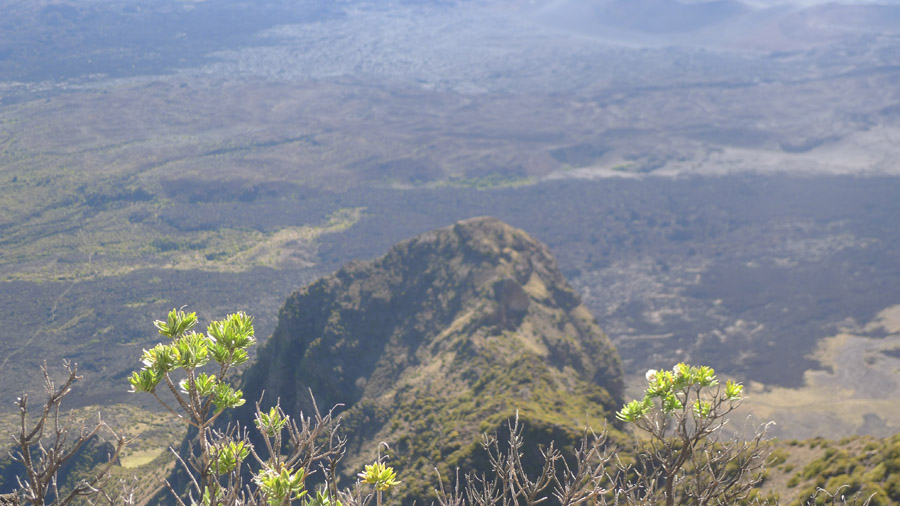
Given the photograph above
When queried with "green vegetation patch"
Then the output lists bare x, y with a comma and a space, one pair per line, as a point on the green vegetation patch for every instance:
108, 245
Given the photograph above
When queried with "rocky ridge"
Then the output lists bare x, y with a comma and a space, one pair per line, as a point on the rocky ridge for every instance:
445, 337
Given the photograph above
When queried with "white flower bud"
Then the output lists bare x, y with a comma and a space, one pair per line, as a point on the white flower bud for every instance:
651, 375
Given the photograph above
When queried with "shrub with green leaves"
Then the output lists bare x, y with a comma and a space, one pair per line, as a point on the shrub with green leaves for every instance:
202, 396
312, 443
682, 459
225, 343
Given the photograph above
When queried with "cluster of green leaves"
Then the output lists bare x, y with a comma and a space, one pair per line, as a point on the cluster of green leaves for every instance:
380, 476
281, 486
226, 342
674, 388
323, 498
682, 412
271, 423
229, 455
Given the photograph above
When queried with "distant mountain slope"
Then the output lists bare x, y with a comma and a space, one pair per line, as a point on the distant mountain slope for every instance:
445, 337
726, 24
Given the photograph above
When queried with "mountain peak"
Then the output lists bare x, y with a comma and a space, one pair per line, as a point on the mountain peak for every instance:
445, 336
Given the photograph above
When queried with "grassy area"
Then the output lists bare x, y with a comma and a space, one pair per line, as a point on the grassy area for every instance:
489, 182
108, 247
857, 466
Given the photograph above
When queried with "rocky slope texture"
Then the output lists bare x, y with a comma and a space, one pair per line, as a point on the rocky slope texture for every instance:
446, 336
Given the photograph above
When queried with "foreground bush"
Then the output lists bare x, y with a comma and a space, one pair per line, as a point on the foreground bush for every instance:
216, 465
46, 443
679, 458
684, 461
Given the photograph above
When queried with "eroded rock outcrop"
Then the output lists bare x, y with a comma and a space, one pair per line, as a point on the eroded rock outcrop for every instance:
446, 336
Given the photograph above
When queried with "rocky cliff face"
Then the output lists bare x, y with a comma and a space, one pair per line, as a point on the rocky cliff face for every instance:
444, 337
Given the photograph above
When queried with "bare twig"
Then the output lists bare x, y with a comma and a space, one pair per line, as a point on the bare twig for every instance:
44, 446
